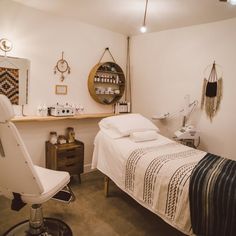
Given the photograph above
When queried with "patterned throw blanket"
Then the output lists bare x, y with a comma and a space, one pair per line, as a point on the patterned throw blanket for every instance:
213, 197
158, 177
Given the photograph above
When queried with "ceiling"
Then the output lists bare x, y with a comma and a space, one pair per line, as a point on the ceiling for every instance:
126, 16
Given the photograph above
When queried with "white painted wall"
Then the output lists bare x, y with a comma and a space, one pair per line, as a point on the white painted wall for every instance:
170, 64
165, 66
41, 38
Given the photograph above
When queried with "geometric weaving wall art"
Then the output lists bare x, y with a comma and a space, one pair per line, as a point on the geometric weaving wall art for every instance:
9, 84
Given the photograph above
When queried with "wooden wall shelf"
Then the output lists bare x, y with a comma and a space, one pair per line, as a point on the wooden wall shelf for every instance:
54, 118
106, 83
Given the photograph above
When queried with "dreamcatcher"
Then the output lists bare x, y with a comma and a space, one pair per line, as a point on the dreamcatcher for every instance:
62, 66
212, 93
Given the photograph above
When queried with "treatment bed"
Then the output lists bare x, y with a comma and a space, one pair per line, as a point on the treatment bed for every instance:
157, 172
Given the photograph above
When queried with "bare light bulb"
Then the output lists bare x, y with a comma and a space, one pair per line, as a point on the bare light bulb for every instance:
143, 29
232, 2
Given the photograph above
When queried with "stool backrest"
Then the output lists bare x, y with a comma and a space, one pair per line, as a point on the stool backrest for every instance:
17, 172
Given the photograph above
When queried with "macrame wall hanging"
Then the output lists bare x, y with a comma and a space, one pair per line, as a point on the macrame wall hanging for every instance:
212, 93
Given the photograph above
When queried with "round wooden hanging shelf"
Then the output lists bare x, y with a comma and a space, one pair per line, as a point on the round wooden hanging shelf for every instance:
106, 83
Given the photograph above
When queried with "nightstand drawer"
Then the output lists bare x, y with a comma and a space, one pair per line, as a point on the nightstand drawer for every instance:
73, 168
69, 152
68, 160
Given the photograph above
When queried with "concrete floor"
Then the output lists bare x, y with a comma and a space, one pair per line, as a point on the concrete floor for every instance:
93, 214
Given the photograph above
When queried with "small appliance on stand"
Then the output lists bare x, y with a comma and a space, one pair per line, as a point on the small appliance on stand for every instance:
187, 134
62, 110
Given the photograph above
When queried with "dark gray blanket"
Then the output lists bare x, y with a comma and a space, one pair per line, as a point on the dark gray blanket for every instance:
212, 194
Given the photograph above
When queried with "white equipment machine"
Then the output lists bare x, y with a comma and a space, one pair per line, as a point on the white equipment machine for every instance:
62, 110
187, 132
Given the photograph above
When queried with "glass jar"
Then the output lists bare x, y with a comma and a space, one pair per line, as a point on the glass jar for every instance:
53, 137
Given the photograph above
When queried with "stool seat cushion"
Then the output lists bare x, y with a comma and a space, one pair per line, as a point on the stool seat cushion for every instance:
53, 181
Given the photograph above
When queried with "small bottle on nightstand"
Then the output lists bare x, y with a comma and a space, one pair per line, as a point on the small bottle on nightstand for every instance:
70, 135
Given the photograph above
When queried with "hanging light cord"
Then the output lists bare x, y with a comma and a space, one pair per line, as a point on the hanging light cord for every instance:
128, 90
145, 14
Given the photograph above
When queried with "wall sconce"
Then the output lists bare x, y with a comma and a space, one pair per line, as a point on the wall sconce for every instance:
5, 45
143, 29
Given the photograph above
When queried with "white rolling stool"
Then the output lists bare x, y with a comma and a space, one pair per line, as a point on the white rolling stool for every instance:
26, 183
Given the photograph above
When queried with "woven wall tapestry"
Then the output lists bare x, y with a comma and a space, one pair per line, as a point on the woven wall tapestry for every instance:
212, 93
9, 84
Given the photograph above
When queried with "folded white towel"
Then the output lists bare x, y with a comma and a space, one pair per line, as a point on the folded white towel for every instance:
143, 136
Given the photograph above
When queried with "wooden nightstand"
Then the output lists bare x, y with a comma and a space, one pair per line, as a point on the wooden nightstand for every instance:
66, 157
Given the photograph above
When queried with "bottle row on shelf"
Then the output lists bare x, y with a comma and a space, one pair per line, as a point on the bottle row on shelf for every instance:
106, 78
109, 90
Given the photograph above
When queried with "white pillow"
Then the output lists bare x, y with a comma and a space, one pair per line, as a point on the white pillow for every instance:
111, 133
127, 124
144, 136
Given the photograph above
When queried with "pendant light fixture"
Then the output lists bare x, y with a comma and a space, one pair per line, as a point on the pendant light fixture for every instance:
143, 29
232, 2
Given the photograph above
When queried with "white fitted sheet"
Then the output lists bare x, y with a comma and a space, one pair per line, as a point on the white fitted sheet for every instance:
110, 157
